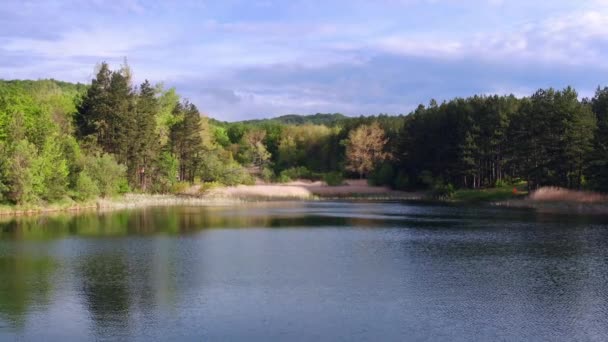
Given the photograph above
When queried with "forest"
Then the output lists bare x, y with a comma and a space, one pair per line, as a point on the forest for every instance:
75, 142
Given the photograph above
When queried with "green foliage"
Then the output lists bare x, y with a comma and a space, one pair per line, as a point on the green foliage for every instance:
186, 141
402, 181
333, 178
292, 119
267, 174
426, 178
443, 191
206, 186
282, 178
110, 137
17, 172
50, 172
501, 183
597, 169
383, 176
164, 173
490, 194
235, 174
300, 172
180, 187
220, 135
108, 175
85, 188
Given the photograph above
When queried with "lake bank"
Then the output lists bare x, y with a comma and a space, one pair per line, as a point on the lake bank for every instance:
543, 200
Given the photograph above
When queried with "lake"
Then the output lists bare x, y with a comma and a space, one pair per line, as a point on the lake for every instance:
320, 271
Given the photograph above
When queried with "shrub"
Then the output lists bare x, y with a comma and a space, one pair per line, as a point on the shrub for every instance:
384, 175
426, 178
85, 188
333, 178
17, 175
443, 191
180, 187
402, 181
267, 174
206, 186
108, 175
283, 178
501, 183
234, 174
300, 172
166, 173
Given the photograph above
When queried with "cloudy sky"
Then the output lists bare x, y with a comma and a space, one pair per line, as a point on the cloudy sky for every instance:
240, 59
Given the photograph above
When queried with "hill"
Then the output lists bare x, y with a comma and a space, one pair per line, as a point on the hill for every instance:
295, 119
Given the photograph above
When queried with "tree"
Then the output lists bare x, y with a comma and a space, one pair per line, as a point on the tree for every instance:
143, 141
254, 150
554, 132
93, 112
107, 174
17, 175
365, 148
186, 141
597, 169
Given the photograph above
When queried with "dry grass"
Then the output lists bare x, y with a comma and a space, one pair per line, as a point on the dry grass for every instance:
302, 189
554, 194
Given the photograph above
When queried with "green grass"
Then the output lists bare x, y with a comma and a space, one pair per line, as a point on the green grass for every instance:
491, 194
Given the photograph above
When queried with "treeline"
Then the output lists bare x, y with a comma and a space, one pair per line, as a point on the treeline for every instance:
548, 138
62, 141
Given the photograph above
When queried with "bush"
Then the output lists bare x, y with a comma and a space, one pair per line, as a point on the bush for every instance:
85, 188
267, 174
443, 191
218, 168
427, 179
402, 181
300, 172
283, 178
180, 187
333, 178
108, 175
384, 175
123, 186
206, 186
166, 173
501, 183
17, 175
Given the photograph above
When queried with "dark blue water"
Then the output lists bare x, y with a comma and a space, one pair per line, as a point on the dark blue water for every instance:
305, 271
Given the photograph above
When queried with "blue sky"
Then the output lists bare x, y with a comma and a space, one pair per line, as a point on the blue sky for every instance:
242, 59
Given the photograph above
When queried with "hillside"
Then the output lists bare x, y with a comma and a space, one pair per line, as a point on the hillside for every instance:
296, 119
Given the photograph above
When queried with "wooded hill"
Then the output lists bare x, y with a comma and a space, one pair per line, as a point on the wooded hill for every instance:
61, 141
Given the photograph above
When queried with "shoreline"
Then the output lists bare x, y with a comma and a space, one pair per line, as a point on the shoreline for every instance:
544, 200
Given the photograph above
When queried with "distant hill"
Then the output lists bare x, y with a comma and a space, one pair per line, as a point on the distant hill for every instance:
35, 86
295, 119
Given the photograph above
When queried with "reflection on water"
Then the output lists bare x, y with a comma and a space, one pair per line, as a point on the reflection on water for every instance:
304, 271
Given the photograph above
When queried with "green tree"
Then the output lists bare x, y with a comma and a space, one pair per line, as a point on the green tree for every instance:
186, 140
597, 170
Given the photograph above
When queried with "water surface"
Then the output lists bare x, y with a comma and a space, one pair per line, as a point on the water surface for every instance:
332, 271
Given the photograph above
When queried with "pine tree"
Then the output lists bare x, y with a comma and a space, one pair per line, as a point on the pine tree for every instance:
144, 146
92, 116
186, 140
597, 171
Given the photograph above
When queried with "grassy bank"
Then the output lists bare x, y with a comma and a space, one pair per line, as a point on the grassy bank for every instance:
490, 195
119, 202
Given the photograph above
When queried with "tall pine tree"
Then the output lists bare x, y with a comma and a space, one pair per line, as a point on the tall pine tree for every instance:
186, 141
